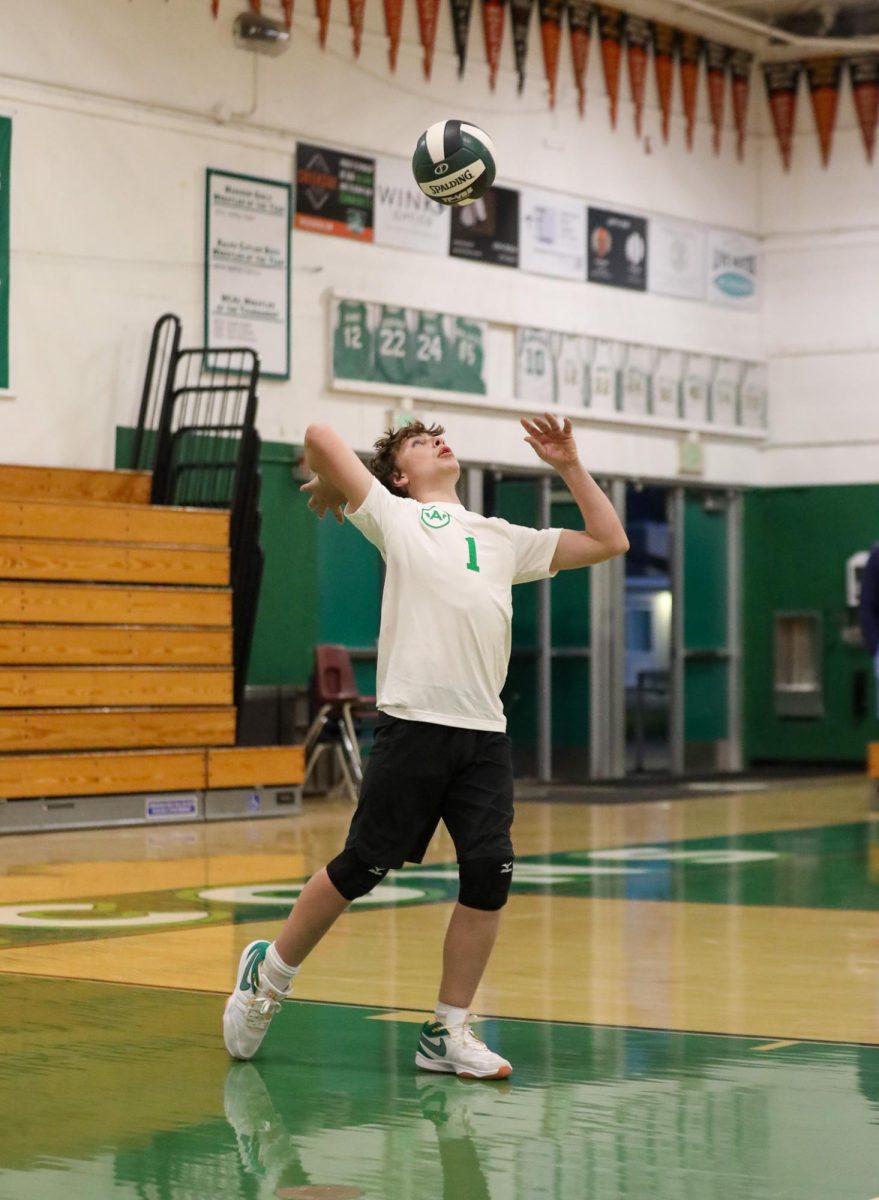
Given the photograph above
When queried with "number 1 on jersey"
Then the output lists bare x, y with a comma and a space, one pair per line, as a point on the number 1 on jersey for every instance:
472, 564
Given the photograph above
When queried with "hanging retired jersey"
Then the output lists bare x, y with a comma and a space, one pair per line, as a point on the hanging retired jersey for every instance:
666, 393
637, 377
432, 352
535, 367
604, 378
752, 398
352, 341
572, 374
467, 359
393, 346
725, 393
696, 386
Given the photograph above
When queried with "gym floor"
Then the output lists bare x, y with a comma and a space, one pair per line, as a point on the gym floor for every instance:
687, 986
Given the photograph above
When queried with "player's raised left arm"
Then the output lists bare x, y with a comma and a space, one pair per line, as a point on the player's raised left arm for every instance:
604, 536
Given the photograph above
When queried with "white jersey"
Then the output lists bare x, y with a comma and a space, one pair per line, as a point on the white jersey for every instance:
572, 372
447, 608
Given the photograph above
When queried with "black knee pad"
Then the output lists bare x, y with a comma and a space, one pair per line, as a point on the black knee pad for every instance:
351, 876
485, 883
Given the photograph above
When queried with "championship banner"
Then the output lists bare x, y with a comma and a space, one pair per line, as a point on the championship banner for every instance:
334, 192
550, 38
428, 11
637, 44
610, 29
740, 70
716, 60
393, 26
488, 229
580, 13
782, 80
322, 11
521, 17
823, 75
617, 249
493, 12
689, 54
665, 40
247, 268
552, 235
404, 216
355, 16
461, 12
864, 75
5, 167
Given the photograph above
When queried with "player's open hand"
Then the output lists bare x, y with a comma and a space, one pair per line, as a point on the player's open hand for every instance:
552, 440
324, 498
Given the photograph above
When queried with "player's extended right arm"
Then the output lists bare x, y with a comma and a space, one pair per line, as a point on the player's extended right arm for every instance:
340, 476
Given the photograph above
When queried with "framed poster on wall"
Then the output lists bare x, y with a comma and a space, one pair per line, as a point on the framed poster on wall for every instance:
247, 267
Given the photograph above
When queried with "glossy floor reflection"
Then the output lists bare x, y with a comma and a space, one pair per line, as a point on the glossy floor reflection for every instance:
126, 1092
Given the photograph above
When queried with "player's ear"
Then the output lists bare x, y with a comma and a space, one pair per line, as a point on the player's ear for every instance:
401, 481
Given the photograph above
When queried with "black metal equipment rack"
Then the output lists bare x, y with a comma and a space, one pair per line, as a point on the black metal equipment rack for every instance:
197, 433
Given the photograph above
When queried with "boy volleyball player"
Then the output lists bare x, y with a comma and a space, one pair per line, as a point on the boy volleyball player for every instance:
440, 750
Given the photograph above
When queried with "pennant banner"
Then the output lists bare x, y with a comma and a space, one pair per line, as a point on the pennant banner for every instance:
690, 52
550, 38
580, 13
824, 75
493, 28
322, 9
461, 11
521, 14
427, 15
782, 80
355, 15
637, 44
716, 61
393, 25
610, 29
665, 41
740, 69
864, 75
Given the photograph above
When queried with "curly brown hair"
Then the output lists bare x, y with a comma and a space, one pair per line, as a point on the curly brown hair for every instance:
383, 463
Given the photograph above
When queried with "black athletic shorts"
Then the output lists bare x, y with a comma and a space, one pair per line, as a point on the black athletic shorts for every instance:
418, 775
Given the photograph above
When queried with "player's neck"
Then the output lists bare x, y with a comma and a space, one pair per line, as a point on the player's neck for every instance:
438, 494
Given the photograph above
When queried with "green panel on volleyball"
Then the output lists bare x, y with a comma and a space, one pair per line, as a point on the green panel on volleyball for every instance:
454, 162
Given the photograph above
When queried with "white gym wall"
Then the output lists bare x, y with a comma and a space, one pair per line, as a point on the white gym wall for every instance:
120, 105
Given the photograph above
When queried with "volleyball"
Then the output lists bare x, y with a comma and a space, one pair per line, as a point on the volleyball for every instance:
454, 162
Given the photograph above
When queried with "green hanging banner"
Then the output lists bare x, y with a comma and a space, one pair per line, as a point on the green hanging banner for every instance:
5, 164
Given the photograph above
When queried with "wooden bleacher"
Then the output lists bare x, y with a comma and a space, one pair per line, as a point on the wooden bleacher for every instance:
116, 673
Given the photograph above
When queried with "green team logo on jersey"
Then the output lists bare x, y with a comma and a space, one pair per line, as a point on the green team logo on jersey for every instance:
435, 518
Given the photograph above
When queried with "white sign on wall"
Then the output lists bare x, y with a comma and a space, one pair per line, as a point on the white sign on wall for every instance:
552, 235
247, 268
403, 216
732, 269
676, 260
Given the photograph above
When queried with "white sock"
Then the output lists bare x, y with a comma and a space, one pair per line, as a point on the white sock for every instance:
276, 972
449, 1015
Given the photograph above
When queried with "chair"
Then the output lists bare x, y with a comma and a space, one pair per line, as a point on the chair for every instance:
336, 703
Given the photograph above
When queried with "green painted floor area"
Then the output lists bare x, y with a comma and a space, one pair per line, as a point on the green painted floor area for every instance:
114, 1091
834, 866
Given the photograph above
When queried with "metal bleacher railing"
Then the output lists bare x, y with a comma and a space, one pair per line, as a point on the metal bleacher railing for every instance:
196, 433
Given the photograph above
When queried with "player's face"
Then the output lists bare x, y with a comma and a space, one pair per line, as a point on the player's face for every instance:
424, 460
